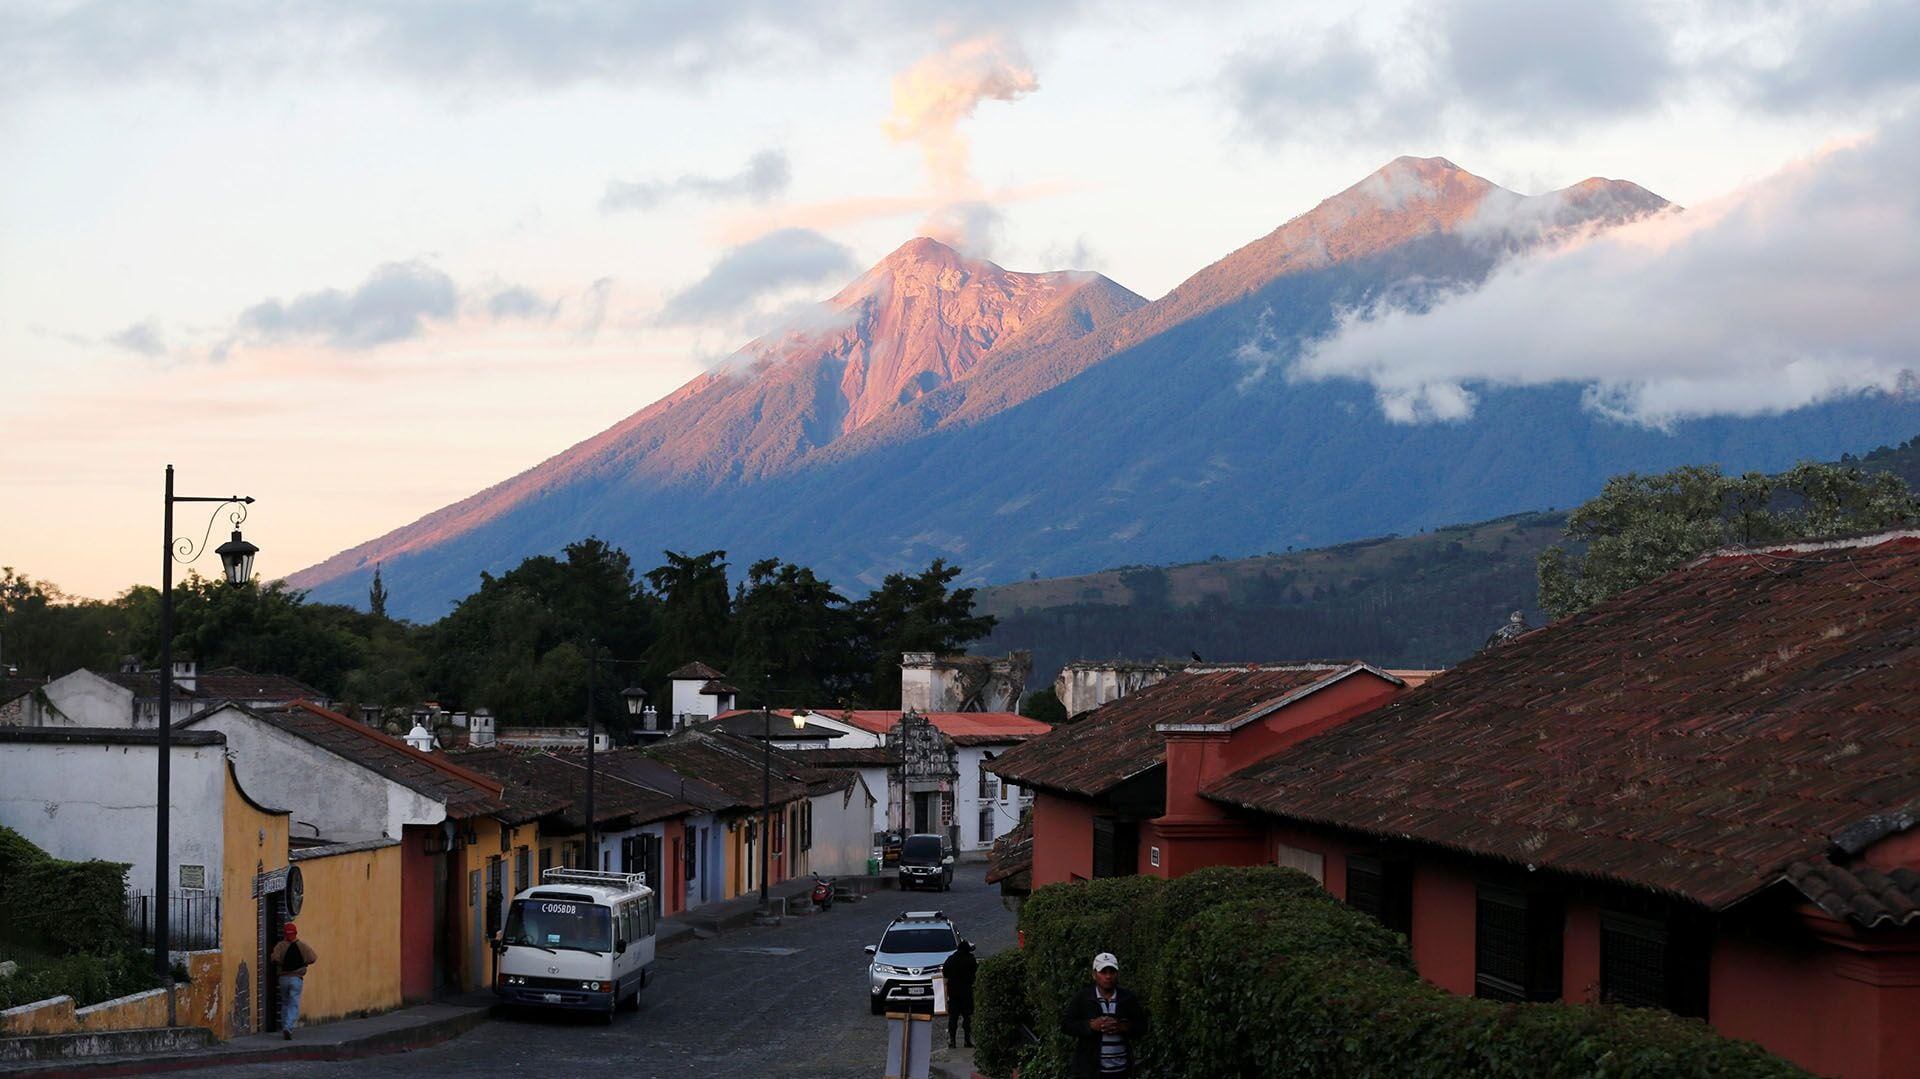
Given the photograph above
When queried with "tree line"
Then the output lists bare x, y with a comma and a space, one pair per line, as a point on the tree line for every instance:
520, 643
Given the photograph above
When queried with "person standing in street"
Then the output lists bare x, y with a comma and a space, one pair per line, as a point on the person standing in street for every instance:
291, 957
959, 971
1106, 1024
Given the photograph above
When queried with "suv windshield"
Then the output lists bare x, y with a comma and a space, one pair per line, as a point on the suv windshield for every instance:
910, 941
921, 849
552, 923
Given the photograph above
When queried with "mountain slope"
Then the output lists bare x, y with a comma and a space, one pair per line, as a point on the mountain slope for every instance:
1122, 433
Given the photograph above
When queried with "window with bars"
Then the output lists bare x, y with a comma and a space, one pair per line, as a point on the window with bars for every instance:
520, 881
986, 825
1654, 963
1383, 888
546, 861
1116, 847
1516, 944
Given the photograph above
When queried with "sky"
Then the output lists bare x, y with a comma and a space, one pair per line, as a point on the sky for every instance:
360, 260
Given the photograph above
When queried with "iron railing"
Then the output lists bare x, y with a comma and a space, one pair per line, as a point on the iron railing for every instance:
193, 920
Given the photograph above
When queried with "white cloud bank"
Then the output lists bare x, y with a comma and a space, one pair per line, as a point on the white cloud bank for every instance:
1798, 289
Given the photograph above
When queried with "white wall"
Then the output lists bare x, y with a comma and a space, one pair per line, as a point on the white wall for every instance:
842, 832
81, 801
1005, 804
1084, 687
689, 701
342, 800
84, 699
851, 737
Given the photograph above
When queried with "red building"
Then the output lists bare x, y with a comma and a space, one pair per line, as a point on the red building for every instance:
1113, 793
1700, 795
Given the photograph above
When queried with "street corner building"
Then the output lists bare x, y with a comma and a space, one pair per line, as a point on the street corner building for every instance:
1701, 795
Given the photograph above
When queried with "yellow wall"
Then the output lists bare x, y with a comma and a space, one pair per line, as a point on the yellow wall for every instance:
476, 971
351, 916
254, 840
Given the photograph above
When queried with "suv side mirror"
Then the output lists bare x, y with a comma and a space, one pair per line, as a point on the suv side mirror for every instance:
620, 947
872, 949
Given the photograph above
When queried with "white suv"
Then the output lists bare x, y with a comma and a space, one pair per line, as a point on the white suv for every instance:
912, 950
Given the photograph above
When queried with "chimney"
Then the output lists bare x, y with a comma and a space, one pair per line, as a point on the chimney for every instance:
186, 674
920, 684
419, 739
480, 728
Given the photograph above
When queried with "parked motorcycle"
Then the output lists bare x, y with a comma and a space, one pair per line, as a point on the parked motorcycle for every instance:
822, 893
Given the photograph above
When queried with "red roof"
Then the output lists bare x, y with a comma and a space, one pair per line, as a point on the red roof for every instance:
1118, 740
1697, 736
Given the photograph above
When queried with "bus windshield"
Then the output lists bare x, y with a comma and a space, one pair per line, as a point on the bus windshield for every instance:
559, 925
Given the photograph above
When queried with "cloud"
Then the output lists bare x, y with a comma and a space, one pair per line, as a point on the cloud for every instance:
394, 303
753, 271
594, 309
1477, 68
142, 337
518, 301
970, 226
1795, 290
764, 177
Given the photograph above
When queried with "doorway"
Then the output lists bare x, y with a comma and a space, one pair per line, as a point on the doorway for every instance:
926, 812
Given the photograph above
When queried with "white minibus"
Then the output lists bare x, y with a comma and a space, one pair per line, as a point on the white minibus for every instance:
580, 939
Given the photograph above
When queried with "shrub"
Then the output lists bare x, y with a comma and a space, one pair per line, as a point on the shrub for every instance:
1260, 972
1002, 1021
70, 907
88, 979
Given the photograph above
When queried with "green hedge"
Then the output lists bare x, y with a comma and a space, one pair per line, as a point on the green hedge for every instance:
87, 978
57, 906
1260, 972
1001, 1019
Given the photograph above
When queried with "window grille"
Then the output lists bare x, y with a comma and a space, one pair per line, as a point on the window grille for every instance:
1517, 942
986, 825
1383, 888
1633, 962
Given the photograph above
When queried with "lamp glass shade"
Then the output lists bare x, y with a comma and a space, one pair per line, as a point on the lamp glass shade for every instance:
636, 699
236, 559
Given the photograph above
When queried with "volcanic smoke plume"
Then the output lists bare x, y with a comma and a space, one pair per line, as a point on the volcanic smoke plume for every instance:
931, 98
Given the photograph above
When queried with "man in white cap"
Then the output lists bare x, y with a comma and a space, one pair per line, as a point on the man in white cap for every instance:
1106, 1024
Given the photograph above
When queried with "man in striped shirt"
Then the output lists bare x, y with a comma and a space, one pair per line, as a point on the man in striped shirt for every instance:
1106, 1023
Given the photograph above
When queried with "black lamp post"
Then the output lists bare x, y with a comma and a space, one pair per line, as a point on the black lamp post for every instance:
636, 699
236, 562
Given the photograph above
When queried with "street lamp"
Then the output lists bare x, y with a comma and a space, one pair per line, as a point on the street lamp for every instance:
636, 699
236, 563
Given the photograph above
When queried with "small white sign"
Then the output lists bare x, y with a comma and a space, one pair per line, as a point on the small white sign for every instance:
1153, 856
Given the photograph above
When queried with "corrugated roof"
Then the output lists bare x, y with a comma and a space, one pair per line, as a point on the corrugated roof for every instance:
1118, 741
728, 764
558, 781
1696, 736
465, 793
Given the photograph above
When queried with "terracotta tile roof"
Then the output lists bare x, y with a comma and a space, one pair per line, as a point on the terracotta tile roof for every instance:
636, 767
1696, 736
965, 728
696, 669
727, 763
1863, 894
859, 757
717, 688
559, 779
466, 793
1118, 741
524, 798
234, 684
15, 688
751, 724
1012, 853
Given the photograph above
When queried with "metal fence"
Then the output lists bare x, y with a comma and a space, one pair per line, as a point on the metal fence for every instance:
193, 920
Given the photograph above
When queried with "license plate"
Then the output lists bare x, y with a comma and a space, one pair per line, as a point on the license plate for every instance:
550, 998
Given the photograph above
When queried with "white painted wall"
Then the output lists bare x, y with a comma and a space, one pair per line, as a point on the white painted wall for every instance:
340, 799
877, 779
84, 699
1004, 803
689, 701
851, 737
1083, 687
81, 801
842, 832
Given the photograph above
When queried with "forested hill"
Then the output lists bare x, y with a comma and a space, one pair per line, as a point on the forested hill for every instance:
1424, 600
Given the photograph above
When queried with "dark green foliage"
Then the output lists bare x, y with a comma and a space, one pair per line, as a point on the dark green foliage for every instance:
1258, 971
1640, 527
792, 637
87, 978
917, 613
1001, 1021
694, 620
67, 907
1045, 706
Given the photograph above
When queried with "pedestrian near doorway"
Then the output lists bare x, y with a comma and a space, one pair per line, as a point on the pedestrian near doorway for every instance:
292, 957
959, 971
1106, 1024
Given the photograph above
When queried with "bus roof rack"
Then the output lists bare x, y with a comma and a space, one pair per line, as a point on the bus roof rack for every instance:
594, 876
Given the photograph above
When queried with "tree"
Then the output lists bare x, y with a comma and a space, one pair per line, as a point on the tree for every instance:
1640, 527
913, 614
695, 611
1044, 706
377, 595
792, 634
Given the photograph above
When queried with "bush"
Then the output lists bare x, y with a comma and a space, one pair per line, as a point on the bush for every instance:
1002, 1022
70, 907
88, 979
1260, 972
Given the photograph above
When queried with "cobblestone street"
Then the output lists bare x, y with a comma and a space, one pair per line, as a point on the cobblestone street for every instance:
784, 1001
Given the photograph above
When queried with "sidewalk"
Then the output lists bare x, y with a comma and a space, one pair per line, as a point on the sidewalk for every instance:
390, 1032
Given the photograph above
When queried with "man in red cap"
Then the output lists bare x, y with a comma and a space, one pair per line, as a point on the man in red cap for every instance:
291, 957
